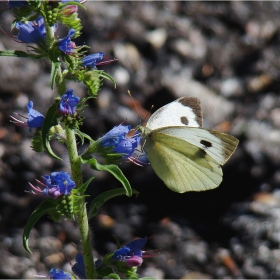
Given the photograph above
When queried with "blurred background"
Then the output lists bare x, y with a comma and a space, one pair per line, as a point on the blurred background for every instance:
224, 53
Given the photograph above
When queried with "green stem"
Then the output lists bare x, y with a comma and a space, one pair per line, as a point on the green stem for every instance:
49, 32
60, 82
82, 215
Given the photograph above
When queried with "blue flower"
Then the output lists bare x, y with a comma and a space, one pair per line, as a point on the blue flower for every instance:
56, 273
68, 103
65, 44
118, 140
32, 31
57, 184
113, 137
93, 60
35, 119
79, 267
16, 4
131, 253
127, 146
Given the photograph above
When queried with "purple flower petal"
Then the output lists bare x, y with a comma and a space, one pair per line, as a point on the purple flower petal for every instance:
68, 103
35, 118
56, 273
92, 60
65, 44
32, 31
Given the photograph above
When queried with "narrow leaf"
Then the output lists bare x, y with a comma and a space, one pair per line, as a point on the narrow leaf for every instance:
84, 186
102, 198
21, 54
112, 276
55, 69
82, 135
50, 120
14, 53
43, 208
114, 170
108, 77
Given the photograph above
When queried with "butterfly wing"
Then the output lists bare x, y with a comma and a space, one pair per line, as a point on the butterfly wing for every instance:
183, 158
220, 146
183, 111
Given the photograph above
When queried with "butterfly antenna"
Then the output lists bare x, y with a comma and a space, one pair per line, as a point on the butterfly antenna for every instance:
136, 108
152, 107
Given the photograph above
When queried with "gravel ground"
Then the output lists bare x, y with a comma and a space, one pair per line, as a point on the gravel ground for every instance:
226, 54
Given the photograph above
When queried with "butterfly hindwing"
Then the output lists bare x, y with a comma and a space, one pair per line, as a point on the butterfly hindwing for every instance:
182, 166
185, 111
218, 145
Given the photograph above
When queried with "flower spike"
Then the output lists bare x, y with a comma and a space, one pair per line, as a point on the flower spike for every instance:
55, 185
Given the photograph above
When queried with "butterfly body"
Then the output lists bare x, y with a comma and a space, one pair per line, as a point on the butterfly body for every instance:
184, 155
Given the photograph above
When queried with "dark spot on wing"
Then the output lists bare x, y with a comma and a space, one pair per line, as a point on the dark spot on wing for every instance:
194, 104
184, 120
206, 143
203, 152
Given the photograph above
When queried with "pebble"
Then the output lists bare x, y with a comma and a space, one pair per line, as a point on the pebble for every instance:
194, 250
152, 272
181, 86
128, 55
157, 37
121, 76
49, 245
196, 275
231, 87
54, 260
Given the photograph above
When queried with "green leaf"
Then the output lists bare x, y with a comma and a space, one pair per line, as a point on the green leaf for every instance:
82, 135
55, 69
112, 276
117, 241
43, 208
102, 198
114, 170
93, 81
108, 77
14, 53
84, 186
50, 121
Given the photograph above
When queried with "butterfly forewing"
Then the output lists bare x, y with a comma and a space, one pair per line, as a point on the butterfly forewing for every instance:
185, 111
182, 166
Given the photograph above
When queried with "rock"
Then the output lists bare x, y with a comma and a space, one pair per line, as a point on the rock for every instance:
49, 245
181, 86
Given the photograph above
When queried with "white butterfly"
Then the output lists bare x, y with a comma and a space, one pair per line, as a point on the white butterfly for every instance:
184, 155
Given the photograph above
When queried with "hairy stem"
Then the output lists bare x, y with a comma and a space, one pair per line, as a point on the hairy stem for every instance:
60, 83
82, 215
